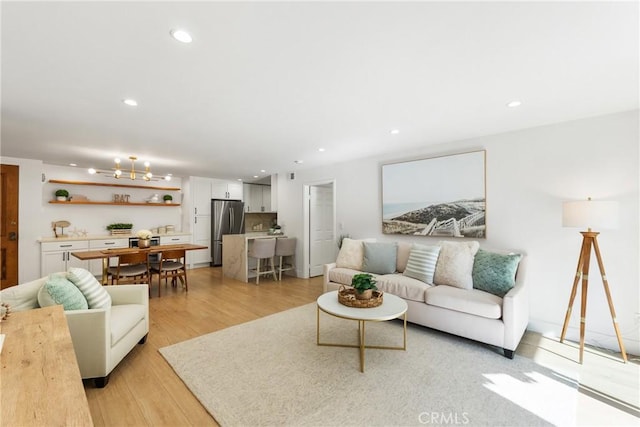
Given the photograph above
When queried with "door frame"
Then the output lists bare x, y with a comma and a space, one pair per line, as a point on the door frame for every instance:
306, 256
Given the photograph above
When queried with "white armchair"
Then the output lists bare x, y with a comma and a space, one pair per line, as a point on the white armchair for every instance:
101, 337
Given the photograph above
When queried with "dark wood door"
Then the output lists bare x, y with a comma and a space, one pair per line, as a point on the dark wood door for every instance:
8, 225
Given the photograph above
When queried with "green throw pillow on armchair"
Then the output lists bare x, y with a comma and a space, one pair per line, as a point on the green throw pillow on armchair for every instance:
58, 290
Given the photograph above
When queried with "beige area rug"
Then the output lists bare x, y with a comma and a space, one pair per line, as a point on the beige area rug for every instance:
270, 372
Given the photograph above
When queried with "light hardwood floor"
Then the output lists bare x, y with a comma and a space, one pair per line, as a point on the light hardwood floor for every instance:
144, 391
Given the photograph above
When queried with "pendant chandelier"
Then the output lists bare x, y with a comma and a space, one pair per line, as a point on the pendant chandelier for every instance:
118, 172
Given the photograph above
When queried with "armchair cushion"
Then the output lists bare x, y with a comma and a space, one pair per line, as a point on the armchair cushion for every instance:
92, 290
123, 320
58, 290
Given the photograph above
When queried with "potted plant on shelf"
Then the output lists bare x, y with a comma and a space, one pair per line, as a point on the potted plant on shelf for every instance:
61, 195
167, 198
120, 228
364, 285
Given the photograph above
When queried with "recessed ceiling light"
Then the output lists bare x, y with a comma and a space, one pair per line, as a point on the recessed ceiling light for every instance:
298, 162
513, 104
181, 36
394, 131
321, 150
239, 179
92, 171
72, 164
130, 102
262, 170
255, 176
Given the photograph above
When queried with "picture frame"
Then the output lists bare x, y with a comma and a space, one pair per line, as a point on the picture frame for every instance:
441, 196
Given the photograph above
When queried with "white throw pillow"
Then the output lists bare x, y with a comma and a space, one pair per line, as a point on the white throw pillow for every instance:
92, 290
351, 254
455, 264
422, 263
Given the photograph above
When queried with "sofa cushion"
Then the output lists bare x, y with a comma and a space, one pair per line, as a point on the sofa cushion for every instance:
23, 297
58, 290
495, 273
473, 301
404, 248
96, 295
343, 276
351, 254
402, 286
123, 319
455, 264
379, 258
422, 262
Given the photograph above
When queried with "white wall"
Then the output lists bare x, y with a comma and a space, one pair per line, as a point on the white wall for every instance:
529, 173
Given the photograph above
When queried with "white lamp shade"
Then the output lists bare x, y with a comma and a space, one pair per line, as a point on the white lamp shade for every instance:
590, 214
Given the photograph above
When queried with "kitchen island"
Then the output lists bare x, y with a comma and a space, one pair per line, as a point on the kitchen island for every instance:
235, 261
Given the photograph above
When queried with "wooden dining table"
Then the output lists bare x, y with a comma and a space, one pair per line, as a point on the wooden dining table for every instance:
106, 254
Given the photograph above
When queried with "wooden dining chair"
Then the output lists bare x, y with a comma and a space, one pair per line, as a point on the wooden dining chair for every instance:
132, 268
172, 264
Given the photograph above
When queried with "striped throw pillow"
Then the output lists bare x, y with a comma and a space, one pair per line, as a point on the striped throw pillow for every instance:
422, 262
92, 290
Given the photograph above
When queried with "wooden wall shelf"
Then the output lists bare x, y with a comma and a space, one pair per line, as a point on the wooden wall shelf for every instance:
102, 184
88, 202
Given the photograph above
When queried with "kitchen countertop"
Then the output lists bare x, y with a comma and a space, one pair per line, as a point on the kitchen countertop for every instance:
103, 237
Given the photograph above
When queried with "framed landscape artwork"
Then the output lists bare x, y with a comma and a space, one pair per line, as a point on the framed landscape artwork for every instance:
441, 196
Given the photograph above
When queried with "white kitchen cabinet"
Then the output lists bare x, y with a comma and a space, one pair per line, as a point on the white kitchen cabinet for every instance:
95, 265
174, 240
201, 236
258, 199
221, 189
201, 191
56, 256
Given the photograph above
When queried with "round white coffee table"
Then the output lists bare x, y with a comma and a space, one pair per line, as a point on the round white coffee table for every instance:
392, 307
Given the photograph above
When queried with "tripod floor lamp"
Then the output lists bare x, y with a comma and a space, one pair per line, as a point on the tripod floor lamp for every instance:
587, 214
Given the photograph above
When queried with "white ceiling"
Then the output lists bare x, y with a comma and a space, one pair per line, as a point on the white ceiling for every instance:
264, 84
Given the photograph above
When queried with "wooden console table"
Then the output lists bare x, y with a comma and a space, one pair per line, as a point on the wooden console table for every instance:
40, 379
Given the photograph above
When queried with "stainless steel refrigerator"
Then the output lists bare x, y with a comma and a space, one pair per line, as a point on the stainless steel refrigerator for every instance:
227, 217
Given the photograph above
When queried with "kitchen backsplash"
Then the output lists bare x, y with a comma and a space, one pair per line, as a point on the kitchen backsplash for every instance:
259, 221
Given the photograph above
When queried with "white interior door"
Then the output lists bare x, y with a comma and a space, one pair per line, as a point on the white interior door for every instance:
322, 246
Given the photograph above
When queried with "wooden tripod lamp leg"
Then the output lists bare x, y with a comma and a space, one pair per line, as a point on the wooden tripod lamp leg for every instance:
574, 289
605, 283
586, 257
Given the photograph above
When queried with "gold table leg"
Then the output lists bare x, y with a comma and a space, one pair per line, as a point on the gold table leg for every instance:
361, 346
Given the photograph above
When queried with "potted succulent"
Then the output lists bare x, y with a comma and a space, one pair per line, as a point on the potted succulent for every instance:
61, 195
364, 285
167, 198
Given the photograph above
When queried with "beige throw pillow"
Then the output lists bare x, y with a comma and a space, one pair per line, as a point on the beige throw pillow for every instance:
455, 264
351, 254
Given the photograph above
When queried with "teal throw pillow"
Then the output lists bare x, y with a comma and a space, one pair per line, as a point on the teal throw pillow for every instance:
422, 263
379, 258
58, 290
495, 273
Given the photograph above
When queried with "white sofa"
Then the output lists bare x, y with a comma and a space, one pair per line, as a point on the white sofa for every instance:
469, 313
101, 337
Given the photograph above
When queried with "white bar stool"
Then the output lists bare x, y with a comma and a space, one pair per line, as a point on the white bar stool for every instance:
286, 247
263, 249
